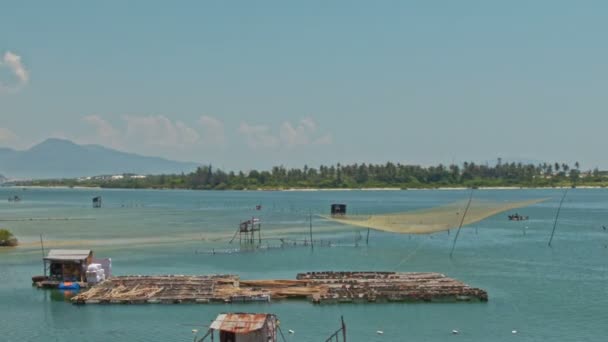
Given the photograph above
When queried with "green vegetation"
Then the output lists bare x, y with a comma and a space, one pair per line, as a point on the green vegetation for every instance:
357, 176
7, 238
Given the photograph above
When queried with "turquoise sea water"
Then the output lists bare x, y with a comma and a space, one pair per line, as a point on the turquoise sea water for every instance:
558, 293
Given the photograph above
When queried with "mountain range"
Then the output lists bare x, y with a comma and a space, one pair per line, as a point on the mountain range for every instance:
59, 158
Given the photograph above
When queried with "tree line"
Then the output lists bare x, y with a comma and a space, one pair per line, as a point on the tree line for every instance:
469, 174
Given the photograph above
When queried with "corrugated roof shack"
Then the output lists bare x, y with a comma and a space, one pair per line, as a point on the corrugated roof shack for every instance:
63, 265
244, 327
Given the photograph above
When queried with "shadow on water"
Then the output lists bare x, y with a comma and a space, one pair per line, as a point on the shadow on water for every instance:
61, 295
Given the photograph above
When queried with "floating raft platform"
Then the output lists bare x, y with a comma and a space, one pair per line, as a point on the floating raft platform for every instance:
317, 287
54, 284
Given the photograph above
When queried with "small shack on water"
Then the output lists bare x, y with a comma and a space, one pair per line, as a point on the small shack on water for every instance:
67, 264
97, 202
255, 327
247, 230
243, 327
67, 267
338, 209
14, 198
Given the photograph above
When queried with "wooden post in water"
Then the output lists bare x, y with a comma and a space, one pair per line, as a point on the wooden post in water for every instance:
367, 238
343, 329
260, 232
42, 250
556, 216
461, 222
312, 247
252, 230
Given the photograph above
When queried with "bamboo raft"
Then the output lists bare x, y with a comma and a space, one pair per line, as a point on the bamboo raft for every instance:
317, 287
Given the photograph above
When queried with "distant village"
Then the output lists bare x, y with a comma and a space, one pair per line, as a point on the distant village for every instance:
111, 177
100, 178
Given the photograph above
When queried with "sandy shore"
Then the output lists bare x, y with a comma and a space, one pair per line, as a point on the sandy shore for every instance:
432, 220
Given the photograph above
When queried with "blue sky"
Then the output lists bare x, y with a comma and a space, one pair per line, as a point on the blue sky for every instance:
251, 84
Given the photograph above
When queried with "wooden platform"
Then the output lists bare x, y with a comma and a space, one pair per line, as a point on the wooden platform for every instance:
318, 287
54, 284
345, 287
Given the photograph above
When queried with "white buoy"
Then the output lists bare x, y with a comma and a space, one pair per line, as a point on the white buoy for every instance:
513, 331
379, 332
455, 332
194, 331
291, 331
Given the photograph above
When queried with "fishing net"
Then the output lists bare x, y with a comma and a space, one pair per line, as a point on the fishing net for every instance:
434, 219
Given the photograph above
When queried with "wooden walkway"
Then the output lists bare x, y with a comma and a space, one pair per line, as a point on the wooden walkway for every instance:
318, 287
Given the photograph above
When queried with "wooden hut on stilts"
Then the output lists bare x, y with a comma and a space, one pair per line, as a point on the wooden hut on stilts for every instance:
247, 231
97, 202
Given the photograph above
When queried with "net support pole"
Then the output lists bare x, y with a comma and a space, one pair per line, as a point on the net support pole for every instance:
312, 247
557, 216
42, 250
461, 222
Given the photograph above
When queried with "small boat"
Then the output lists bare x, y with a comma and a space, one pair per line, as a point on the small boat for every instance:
517, 217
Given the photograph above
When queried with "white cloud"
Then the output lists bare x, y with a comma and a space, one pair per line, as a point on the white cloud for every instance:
13, 63
304, 133
160, 131
103, 128
309, 123
326, 139
146, 132
258, 136
298, 135
158, 134
105, 133
213, 131
7, 136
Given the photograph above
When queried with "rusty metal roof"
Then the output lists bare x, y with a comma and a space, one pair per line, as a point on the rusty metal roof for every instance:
240, 323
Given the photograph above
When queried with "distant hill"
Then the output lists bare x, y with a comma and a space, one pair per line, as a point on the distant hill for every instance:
3, 179
58, 158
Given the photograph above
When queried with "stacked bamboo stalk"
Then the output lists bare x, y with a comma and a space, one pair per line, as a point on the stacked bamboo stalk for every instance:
319, 287
391, 286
